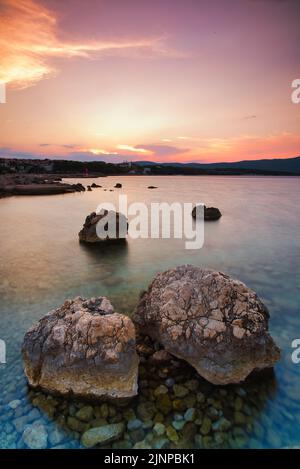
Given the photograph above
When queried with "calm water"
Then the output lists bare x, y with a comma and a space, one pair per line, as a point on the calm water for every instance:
257, 240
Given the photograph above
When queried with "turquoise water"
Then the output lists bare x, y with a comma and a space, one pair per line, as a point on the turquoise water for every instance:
257, 240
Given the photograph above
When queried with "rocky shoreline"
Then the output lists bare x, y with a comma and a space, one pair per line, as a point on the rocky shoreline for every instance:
35, 184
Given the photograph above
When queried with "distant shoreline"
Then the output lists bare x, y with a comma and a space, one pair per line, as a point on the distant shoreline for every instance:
71, 168
70, 176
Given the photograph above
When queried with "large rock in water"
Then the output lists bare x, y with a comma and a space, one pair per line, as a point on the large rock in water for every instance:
212, 321
89, 233
84, 349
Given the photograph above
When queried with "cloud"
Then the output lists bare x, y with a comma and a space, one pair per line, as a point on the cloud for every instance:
29, 37
137, 149
163, 150
6, 152
152, 150
98, 151
66, 145
80, 155
251, 116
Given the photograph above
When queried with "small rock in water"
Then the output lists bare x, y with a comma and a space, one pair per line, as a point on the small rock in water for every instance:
172, 434
178, 424
178, 416
206, 426
134, 424
137, 435
142, 445
146, 410
35, 436
160, 390
169, 382
14, 404
221, 425
76, 425
159, 429
180, 391
104, 410
85, 413
102, 435
161, 356
56, 436
190, 414
163, 403
200, 397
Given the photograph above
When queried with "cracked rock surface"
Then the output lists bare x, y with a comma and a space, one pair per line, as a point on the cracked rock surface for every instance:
84, 349
215, 323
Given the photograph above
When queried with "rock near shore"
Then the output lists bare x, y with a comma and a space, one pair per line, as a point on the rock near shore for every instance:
212, 321
84, 349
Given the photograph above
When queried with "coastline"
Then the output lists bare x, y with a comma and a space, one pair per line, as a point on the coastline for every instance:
51, 184
35, 184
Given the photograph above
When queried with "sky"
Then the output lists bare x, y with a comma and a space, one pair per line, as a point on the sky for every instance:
160, 80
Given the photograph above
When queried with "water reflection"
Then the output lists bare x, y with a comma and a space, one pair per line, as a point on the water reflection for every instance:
107, 250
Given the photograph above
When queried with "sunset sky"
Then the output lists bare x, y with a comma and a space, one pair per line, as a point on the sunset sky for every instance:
160, 80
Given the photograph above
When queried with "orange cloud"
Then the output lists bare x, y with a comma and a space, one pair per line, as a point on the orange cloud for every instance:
29, 37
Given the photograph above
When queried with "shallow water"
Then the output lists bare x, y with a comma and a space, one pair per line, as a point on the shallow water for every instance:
257, 240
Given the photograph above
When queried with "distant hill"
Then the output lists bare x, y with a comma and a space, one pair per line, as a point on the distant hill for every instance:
288, 165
